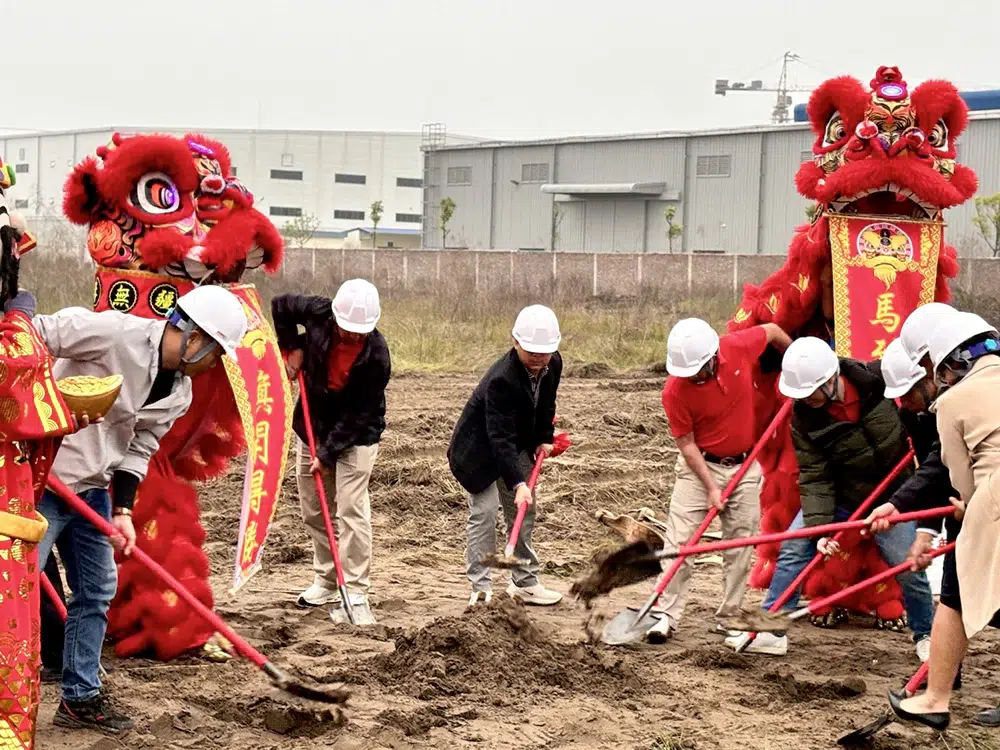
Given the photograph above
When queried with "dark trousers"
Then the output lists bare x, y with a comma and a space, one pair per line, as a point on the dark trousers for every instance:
53, 628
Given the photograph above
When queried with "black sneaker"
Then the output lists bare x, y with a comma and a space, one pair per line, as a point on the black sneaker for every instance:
94, 713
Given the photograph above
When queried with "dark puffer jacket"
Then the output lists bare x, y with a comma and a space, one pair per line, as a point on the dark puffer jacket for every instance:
840, 463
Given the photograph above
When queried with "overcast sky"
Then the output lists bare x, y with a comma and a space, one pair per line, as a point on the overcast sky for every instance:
505, 69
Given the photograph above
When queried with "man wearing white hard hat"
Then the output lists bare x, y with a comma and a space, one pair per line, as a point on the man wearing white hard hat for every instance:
964, 351
105, 463
709, 399
847, 435
503, 427
347, 366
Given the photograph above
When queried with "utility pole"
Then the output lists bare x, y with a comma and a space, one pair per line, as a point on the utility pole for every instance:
782, 102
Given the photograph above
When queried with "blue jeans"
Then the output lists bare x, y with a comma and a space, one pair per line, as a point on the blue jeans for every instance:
92, 575
894, 545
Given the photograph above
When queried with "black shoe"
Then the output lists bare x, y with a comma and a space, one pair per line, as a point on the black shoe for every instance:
988, 718
938, 721
94, 713
51, 674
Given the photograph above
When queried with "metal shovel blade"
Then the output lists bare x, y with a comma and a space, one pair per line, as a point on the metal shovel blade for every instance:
863, 735
623, 629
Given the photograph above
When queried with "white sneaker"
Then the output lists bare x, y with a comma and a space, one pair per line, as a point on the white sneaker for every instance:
485, 596
764, 643
924, 648
661, 632
537, 595
317, 596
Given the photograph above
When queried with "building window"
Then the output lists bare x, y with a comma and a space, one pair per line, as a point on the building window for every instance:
21, 154
350, 179
409, 182
459, 175
807, 156
534, 173
21, 203
287, 160
21, 168
409, 218
285, 211
286, 174
715, 166
350, 215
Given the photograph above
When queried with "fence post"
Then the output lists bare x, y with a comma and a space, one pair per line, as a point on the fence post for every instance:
373, 265
343, 263
313, 263
594, 278
406, 281
736, 276
638, 275
512, 271
477, 269
690, 273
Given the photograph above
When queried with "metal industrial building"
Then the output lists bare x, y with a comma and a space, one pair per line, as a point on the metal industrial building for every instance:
332, 175
733, 191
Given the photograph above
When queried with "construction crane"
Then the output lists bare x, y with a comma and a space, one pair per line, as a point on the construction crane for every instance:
783, 102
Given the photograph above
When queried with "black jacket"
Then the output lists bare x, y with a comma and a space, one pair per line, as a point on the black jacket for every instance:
501, 421
354, 415
930, 485
841, 463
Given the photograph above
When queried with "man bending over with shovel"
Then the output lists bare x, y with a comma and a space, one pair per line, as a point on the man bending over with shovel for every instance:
346, 364
504, 426
105, 463
708, 399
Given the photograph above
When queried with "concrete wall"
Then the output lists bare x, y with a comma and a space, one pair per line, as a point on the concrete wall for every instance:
578, 274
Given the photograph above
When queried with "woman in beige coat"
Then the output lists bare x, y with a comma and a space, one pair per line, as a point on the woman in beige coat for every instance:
964, 349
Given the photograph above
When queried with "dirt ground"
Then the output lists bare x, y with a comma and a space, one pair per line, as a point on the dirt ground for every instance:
433, 675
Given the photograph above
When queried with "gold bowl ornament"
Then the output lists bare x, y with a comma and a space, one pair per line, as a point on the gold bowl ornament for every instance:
89, 394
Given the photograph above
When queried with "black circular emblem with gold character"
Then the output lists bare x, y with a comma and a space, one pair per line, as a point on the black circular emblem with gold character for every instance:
162, 299
122, 295
97, 291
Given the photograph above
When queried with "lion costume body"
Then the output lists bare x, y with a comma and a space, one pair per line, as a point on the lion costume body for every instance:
886, 154
164, 214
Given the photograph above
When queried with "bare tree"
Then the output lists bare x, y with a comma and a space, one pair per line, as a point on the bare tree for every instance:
987, 221
298, 232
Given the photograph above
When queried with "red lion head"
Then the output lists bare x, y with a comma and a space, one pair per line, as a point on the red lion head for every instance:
884, 151
172, 206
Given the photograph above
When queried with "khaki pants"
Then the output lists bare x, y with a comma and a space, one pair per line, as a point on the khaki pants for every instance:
347, 495
741, 517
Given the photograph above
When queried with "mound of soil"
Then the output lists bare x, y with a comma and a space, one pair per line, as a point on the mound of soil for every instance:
793, 690
494, 652
588, 370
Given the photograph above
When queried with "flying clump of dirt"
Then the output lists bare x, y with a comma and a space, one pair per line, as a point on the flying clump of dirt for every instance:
495, 652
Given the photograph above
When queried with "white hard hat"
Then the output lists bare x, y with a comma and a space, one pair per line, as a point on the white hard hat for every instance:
807, 364
690, 344
218, 312
899, 370
537, 330
919, 325
356, 306
953, 331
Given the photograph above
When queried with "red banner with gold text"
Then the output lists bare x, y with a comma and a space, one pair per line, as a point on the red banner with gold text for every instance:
883, 269
264, 399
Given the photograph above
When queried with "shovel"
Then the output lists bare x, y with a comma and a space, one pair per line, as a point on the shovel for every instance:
508, 561
631, 625
789, 592
636, 562
772, 622
278, 677
863, 735
345, 610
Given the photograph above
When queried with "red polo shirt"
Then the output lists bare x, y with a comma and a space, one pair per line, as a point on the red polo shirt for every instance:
719, 412
848, 410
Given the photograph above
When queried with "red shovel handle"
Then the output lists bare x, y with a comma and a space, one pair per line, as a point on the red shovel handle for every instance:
243, 648
522, 509
53, 595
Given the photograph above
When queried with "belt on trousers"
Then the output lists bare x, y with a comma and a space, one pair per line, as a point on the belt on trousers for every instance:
26, 529
726, 462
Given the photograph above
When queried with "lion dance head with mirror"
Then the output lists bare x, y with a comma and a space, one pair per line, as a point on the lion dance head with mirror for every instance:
883, 171
165, 214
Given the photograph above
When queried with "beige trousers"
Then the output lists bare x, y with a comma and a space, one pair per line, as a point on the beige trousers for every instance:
346, 488
740, 518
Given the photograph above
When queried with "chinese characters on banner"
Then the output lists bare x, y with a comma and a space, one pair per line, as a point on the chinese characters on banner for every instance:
264, 399
883, 269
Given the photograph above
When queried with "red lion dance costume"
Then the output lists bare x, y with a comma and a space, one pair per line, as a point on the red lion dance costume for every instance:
164, 214
883, 171
32, 418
